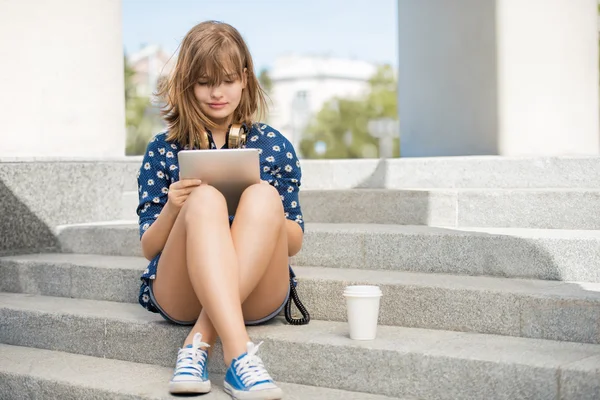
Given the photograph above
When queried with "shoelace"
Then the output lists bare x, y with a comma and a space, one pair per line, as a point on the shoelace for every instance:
251, 368
191, 360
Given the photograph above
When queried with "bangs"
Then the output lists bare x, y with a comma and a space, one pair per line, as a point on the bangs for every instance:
220, 63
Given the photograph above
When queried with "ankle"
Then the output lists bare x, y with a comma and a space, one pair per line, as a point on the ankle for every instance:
233, 351
189, 340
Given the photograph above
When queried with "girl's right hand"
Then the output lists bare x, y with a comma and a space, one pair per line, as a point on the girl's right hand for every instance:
180, 190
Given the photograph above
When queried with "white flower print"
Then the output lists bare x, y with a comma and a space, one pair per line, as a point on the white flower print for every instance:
174, 146
138, 174
146, 207
289, 155
266, 168
144, 195
271, 134
156, 200
276, 184
145, 298
167, 177
294, 180
152, 276
150, 182
150, 153
146, 226
263, 127
276, 148
294, 204
164, 164
254, 138
147, 270
161, 150
173, 167
288, 168
165, 190
278, 175
156, 215
260, 151
287, 214
298, 163
140, 189
160, 174
290, 189
147, 166
282, 198
170, 154
270, 159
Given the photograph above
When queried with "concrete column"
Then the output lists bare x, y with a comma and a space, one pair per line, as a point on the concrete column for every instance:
507, 77
61, 78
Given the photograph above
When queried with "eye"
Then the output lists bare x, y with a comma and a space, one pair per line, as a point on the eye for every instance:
202, 83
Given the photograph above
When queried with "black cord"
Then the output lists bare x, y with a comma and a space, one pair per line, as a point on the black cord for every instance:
288, 306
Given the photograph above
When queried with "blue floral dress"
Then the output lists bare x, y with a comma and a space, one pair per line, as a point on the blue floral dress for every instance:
278, 163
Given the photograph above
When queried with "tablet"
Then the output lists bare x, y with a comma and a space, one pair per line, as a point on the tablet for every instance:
230, 171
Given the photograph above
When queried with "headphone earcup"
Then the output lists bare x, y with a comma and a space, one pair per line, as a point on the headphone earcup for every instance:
237, 136
204, 143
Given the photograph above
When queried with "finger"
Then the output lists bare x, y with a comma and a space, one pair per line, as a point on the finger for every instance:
182, 192
184, 183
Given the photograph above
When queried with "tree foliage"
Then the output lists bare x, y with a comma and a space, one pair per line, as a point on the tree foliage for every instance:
341, 125
142, 119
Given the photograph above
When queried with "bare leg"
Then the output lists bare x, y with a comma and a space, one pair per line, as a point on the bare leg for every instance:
260, 235
260, 240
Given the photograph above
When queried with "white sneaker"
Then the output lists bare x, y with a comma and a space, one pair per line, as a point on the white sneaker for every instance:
191, 374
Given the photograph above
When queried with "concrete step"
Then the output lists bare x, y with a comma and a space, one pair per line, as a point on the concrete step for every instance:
567, 255
567, 311
28, 373
454, 172
516, 208
403, 362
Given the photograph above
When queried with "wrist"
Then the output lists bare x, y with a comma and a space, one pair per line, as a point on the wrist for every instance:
171, 210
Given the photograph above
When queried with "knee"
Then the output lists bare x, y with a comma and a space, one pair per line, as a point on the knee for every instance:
265, 201
204, 200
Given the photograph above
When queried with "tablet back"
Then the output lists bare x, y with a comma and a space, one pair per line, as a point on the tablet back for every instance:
230, 171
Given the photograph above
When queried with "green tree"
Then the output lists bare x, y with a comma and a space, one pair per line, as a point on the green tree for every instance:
265, 80
342, 123
142, 119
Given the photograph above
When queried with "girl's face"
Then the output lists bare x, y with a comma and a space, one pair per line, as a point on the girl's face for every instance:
219, 102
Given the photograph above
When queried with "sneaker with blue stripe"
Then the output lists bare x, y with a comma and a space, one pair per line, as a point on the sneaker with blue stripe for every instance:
247, 378
191, 373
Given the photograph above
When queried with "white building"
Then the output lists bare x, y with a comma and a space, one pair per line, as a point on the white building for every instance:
302, 85
150, 63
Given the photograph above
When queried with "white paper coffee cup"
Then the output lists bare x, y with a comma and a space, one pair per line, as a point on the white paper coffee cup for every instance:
362, 303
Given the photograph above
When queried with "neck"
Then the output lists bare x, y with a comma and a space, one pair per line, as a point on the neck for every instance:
221, 125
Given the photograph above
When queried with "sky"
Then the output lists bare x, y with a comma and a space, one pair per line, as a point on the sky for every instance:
358, 29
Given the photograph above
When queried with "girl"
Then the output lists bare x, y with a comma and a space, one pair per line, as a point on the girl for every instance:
207, 269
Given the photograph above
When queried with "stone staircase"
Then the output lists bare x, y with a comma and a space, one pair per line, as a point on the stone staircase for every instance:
491, 291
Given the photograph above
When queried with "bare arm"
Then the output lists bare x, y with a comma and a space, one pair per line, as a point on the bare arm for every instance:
154, 239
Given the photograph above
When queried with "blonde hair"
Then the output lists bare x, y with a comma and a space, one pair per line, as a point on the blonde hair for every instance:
216, 51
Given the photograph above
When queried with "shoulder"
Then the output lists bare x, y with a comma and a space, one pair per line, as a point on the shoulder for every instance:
160, 144
269, 138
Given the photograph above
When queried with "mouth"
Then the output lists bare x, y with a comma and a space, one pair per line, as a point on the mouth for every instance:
217, 105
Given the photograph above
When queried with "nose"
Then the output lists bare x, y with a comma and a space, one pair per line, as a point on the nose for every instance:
216, 92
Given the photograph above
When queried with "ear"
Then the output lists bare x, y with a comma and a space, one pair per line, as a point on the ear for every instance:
245, 78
